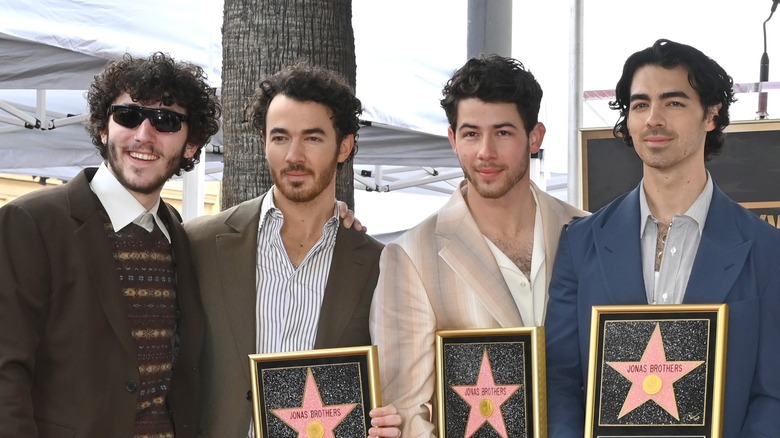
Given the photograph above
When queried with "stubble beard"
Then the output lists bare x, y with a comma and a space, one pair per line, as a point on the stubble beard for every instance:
153, 183
298, 191
495, 189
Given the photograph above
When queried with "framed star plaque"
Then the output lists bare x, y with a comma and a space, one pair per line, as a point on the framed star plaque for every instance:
317, 393
491, 382
656, 370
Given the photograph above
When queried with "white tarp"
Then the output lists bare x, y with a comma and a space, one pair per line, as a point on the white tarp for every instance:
406, 49
50, 50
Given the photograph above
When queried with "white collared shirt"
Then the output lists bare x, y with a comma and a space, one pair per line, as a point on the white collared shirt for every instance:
529, 295
122, 208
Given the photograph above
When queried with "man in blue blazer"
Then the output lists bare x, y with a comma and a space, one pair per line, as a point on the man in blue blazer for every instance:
676, 238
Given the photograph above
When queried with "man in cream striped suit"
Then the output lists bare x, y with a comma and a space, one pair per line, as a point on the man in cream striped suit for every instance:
485, 259
281, 273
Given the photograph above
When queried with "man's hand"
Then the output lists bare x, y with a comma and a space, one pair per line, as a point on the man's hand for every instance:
385, 422
348, 218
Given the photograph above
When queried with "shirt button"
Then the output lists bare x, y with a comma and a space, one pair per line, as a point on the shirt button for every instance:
664, 296
673, 250
131, 386
523, 284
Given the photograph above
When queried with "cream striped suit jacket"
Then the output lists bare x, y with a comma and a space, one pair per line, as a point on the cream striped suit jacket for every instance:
442, 275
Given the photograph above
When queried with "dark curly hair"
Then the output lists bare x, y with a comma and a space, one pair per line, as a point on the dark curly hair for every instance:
307, 83
705, 75
156, 79
494, 78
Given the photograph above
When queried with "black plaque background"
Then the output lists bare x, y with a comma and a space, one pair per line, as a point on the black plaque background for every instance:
636, 341
340, 379
748, 169
511, 361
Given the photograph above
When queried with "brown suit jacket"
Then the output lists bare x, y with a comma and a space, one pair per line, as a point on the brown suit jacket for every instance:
225, 255
67, 359
441, 275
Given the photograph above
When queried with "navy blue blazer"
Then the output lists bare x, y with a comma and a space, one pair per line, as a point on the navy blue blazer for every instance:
738, 262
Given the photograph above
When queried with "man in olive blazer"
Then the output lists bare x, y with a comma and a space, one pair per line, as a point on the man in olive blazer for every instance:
225, 254
67, 359
287, 245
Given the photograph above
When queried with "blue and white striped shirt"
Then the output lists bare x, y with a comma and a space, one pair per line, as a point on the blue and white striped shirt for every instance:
289, 299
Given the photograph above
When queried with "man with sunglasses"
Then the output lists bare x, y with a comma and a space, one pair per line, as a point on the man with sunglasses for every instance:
281, 272
101, 323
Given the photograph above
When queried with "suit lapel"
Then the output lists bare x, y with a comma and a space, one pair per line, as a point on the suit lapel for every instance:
346, 279
721, 255
465, 251
98, 256
237, 256
551, 214
554, 217
619, 253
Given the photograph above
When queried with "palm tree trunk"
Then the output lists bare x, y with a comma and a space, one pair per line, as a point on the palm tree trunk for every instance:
260, 37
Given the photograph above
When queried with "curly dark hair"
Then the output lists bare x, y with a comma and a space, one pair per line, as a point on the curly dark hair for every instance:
157, 78
307, 83
705, 75
494, 78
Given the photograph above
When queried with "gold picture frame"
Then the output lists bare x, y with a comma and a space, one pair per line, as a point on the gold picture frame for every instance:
491, 378
657, 370
319, 390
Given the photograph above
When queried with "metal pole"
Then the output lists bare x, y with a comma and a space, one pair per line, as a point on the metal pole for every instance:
489, 28
575, 102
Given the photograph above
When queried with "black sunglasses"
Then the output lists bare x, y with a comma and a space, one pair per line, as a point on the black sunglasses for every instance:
163, 120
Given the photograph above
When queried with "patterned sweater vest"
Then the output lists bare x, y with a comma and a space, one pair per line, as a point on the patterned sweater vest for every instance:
148, 278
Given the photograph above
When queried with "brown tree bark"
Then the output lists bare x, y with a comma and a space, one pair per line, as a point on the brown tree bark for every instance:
260, 37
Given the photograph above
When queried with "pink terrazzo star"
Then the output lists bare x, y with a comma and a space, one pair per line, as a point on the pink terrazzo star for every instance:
485, 399
653, 376
313, 419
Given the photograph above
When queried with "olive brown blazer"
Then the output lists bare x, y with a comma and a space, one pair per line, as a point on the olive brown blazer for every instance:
225, 255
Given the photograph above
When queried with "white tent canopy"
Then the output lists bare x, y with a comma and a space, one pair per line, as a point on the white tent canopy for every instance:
52, 49
406, 50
